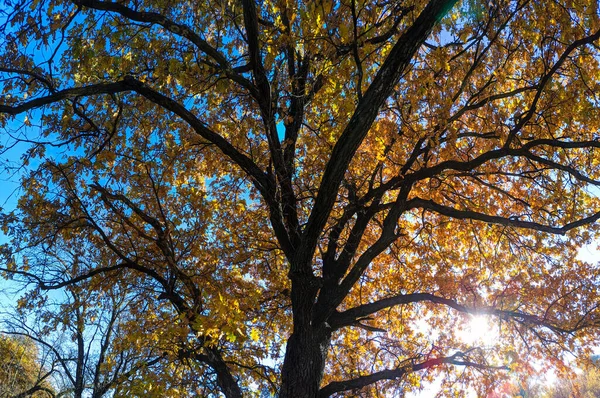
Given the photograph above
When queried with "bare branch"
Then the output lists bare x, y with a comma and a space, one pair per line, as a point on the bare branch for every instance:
35, 389
47, 285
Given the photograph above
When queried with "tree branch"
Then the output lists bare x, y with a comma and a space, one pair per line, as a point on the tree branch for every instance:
458, 359
175, 28
359, 124
45, 285
261, 180
545, 80
506, 221
265, 101
353, 315
35, 389
95, 89
329, 301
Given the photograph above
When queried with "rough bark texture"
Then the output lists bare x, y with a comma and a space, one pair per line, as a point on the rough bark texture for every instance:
305, 357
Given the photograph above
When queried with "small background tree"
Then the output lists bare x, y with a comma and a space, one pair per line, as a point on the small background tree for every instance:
22, 372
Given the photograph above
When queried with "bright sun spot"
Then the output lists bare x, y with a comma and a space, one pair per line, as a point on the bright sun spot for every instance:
590, 253
479, 330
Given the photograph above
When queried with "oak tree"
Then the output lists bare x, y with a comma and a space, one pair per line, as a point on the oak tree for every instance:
314, 197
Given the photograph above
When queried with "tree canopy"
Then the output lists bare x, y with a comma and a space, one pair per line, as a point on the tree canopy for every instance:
309, 198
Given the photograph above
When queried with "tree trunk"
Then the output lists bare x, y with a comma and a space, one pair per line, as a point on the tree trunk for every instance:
306, 349
305, 356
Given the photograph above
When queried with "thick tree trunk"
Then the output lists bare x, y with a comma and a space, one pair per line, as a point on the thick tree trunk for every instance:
305, 357
307, 347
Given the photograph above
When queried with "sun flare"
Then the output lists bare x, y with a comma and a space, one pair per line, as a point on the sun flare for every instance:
479, 330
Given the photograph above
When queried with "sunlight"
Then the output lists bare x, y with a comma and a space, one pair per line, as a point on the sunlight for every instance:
589, 253
478, 330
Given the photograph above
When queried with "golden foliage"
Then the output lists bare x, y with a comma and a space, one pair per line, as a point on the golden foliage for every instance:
343, 182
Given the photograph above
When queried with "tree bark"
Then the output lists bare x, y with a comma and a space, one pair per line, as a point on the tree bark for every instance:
306, 350
225, 380
305, 357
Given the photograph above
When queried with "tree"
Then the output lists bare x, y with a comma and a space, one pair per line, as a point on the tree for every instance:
318, 194
586, 385
85, 335
583, 384
21, 372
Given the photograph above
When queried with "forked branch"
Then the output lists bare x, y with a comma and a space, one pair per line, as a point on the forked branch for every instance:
366, 111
